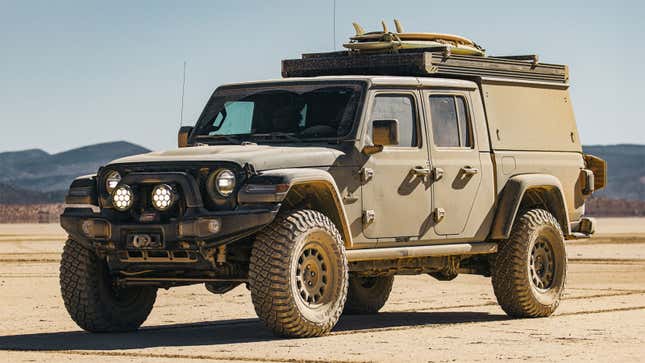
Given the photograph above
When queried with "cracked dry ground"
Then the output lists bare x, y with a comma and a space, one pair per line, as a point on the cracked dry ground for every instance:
602, 317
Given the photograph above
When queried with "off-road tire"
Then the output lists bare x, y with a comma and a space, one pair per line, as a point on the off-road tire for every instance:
367, 295
516, 292
91, 300
274, 274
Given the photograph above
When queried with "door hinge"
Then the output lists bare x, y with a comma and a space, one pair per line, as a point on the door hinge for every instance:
368, 216
439, 214
366, 174
349, 198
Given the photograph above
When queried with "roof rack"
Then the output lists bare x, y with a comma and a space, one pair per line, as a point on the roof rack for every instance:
424, 62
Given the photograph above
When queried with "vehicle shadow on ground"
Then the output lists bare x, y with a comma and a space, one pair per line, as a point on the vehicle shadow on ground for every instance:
226, 332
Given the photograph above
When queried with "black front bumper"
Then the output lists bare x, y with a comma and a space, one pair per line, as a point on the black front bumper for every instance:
111, 230
234, 225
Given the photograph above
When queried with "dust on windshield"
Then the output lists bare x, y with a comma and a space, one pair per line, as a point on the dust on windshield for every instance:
280, 113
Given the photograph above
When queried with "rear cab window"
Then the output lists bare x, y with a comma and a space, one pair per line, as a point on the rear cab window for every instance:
451, 124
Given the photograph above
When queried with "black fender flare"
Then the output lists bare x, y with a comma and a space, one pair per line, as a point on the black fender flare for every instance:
83, 191
511, 196
273, 186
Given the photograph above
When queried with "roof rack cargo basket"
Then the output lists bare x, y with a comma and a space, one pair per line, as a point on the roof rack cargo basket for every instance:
426, 62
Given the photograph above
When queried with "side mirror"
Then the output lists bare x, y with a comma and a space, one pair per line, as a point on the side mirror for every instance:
182, 136
384, 133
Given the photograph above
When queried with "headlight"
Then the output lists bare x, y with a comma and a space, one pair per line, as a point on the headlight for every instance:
112, 181
122, 198
223, 182
163, 197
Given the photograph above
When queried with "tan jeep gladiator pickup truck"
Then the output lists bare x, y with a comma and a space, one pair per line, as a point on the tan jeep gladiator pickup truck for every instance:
315, 190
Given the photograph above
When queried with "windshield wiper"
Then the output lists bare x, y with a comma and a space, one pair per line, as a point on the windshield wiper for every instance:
263, 137
276, 136
228, 138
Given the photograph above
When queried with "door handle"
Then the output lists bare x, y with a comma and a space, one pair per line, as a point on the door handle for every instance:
469, 170
421, 170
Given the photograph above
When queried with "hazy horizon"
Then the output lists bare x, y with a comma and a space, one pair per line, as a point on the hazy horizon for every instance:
80, 73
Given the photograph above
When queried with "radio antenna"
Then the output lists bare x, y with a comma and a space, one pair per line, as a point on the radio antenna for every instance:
334, 24
183, 90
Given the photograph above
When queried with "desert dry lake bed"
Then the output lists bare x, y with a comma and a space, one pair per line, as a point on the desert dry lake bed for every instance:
602, 317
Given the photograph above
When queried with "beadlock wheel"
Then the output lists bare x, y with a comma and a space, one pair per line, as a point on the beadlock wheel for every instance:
312, 274
542, 264
530, 267
298, 274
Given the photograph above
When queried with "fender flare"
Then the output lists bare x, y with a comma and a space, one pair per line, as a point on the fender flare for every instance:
511, 196
273, 186
83, 191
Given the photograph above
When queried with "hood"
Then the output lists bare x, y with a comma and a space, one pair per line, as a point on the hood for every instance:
263, 157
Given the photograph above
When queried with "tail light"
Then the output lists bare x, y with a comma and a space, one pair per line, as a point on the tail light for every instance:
598, 168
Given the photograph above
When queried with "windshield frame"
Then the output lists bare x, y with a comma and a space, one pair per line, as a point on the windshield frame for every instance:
361, 86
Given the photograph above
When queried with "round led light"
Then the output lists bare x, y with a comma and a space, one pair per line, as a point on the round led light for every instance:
163, 197
113, 179
122, 198
225, 182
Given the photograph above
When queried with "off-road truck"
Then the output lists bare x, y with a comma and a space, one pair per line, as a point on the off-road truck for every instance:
315, 190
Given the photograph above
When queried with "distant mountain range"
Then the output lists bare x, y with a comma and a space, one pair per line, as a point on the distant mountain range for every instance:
34, 176
10, 194
625, 170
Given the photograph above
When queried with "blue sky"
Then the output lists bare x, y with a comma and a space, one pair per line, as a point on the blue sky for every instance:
74, 73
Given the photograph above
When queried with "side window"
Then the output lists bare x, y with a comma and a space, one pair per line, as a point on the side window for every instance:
401, 108
450, 121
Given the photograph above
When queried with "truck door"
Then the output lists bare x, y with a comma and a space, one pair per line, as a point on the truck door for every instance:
455, 159
397, 200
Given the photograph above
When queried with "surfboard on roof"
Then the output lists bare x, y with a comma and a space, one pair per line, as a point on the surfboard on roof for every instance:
391, 41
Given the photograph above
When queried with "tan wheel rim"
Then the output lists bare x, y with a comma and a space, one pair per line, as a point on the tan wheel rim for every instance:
315, 272
542, 269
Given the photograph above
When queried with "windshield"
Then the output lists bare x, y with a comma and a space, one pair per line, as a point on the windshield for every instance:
284, 113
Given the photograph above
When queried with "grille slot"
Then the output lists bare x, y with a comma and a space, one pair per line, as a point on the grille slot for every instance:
156, 256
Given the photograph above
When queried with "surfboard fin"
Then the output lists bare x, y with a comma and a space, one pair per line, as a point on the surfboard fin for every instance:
398, 26
359, 29
384, 26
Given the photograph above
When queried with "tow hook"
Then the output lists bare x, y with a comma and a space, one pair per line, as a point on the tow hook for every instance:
141, 240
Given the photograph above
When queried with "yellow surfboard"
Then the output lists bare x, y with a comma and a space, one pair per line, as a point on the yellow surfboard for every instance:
415, 36
386, 40
374, 46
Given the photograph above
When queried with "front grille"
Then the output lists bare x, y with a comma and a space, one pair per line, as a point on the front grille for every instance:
199, 171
